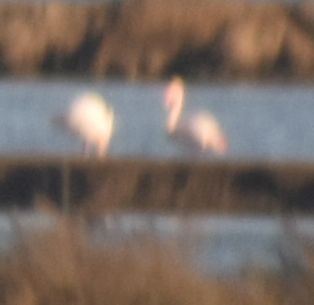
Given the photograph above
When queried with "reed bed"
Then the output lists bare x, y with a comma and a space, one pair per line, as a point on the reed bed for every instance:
62, 266
156, 38
96, 186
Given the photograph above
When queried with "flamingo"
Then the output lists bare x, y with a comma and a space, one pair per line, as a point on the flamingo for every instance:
92, 119
202, 131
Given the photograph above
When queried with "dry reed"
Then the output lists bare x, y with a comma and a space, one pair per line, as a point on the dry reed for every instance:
155, 38
62, 266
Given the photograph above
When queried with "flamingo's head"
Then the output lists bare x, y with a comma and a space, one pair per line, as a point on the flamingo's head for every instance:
174, 93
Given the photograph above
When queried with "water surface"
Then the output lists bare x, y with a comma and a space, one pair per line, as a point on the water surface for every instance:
212, 245
262, 122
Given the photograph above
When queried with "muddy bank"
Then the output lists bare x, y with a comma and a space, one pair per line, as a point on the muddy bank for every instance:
156, 38
95, 186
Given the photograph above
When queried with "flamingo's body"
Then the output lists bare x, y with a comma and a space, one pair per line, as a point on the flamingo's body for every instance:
92, 119
201, 130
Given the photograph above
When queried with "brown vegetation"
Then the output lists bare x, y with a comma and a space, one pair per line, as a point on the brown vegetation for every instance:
62, 267
155, 38
96, 186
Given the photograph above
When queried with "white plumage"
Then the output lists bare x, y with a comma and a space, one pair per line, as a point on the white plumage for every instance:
201, 130
92, 119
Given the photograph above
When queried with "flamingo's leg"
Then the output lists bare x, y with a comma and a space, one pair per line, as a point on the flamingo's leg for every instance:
102, 148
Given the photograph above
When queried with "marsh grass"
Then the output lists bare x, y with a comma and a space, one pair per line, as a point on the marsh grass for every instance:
63, 266
156, 38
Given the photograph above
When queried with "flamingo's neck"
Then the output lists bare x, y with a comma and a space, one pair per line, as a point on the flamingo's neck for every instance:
175, 99
174, 117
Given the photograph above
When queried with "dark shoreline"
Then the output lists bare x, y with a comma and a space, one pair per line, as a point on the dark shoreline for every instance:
95, 186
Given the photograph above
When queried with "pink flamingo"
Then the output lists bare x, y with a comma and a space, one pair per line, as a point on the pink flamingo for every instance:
201, 130
92, 119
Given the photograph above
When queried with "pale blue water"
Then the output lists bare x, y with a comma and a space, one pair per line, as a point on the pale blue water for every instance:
212, 245
263, 122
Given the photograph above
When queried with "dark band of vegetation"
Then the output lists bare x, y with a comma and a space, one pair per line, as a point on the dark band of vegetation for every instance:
157, 38
94, 187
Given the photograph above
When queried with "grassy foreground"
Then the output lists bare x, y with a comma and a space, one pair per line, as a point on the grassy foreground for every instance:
60, 267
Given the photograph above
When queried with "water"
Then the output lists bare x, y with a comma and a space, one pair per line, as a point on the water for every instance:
262, 122
221, 245
213, 245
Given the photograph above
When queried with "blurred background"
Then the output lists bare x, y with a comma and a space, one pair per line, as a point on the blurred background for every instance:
245, 214
251, 64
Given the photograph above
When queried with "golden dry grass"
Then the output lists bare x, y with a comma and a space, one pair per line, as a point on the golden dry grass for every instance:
155, 38
61, 267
